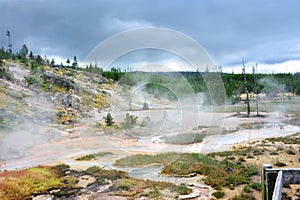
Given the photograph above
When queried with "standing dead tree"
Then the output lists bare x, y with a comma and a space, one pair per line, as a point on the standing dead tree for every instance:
246, 89
254, 69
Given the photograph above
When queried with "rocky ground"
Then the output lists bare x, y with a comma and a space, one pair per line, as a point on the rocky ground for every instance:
38, 106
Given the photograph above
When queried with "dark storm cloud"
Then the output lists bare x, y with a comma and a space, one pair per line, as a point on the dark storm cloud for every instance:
63, 28
258, 31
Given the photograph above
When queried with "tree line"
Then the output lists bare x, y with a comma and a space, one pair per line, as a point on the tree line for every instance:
234, 84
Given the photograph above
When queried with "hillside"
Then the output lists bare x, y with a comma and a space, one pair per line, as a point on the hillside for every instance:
46, 102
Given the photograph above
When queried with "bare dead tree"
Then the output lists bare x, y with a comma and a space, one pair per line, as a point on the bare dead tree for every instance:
246, 89
254, 69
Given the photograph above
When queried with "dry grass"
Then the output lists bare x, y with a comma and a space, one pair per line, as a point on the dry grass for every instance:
22, 184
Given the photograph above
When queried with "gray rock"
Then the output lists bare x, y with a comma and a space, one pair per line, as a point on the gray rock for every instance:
43, 197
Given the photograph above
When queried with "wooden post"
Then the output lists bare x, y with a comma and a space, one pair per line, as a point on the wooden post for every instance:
273, 179
264, 180
277, 193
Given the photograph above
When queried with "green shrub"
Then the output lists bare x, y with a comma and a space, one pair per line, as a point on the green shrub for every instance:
219, 194
31, 80
3, 122
93, 170
123, 184
5, 74
231, 158
184, 139
217, 174
257, 152
86, 157
129, 121
290, 151
279, 164
146, 122
101, 180
182, 189
250, 156
98, 125
61, 169
274, 153
247, 189
22, 184
256, 185
145, 159
93, 156
106, 174
145, 106
155, 192
248, 196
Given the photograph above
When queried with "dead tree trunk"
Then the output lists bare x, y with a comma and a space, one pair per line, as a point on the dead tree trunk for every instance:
255, 85
246, 90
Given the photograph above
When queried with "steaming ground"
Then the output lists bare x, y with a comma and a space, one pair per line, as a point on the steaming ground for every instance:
28, 117
32, 137
90, 139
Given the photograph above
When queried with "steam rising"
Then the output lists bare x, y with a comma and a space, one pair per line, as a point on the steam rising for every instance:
27, 119
30, 129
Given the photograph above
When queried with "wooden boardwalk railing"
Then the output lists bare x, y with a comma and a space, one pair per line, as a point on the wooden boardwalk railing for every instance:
273, 179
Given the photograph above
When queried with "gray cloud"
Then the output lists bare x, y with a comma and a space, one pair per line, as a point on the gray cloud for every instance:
259, 31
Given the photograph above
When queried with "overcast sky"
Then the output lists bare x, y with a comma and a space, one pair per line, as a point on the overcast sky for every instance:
263, 32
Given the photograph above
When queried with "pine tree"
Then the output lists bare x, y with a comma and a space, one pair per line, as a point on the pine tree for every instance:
9, 44
109, 121
68, 62
23, 52
52, 62
39, 59
74, 64
31, 56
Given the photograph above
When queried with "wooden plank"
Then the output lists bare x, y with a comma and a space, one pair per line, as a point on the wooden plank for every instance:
290, 175
264, 181
277, 193
282, 169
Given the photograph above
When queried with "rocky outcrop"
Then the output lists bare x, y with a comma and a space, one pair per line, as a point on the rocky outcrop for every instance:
60, 81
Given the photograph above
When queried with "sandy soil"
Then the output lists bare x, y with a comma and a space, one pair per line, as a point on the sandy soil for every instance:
291, 161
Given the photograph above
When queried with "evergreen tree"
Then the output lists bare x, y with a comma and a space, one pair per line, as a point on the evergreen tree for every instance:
9, 44
39, 59
31, 56
3, 54
23, 52
52, 62
68, 62
109, 121
46, 60
129, 121
74, 64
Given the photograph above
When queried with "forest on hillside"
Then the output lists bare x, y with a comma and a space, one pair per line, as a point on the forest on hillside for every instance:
271, 85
